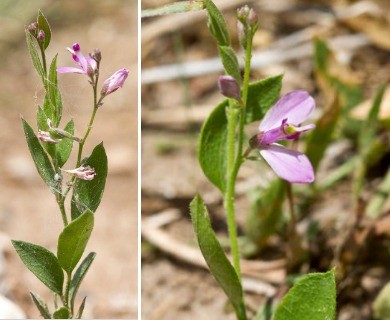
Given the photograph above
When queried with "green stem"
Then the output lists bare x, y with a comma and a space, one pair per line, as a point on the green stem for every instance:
43, 59
66, 295
95, 108
61, 203
232, 114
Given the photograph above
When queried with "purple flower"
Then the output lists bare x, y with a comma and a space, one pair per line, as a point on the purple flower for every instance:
84, 173
114, 82
87, 64
281, 123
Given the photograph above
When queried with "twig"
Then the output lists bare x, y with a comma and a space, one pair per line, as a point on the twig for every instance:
260, 59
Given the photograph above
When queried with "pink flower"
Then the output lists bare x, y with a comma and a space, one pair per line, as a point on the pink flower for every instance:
114, 82
45, 136
281, 123
87, 64
84, 173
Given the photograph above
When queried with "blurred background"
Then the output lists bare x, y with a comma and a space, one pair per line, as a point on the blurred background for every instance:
28, 210
339, 51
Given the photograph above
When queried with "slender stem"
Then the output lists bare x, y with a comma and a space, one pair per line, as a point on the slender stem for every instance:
232, 114
43, 58
235, 157
61, 204
66, 295
95, 108
245, 87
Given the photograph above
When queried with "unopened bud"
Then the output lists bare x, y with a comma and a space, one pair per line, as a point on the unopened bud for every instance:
229, 87
96, 55
241, 33
76, 47
33, 29
242, 14
114, 82
252, 18
41, 36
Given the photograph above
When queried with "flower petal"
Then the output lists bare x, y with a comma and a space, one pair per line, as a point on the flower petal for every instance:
295, 106
288, 164
70, 70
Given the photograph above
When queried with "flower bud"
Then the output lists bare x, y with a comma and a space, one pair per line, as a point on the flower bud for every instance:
76, 47
229, 87
114, 82
242, 14
41, 36
83, 173
241, 33
253, 19
96, 55
33, 29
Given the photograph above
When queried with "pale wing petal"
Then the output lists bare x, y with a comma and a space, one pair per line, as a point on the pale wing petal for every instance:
295, 106
70, 70
289, 165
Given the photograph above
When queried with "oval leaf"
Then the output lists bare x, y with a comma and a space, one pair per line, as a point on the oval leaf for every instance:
32, 49
79, 276
212, 147
42, 263
54, 94
61, 313
216, 259
41, 160
88, 194
44, 25
230, 62
64, 148
73, 240
262, 95
216, 23
312, 298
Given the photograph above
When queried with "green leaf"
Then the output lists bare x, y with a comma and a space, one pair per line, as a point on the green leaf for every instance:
81, 309
370, 126
41, 160
41, 305
73, 240
212, 147
88, 194
230, 62
175, 7
32, 49
321, 55
265, 212
262, 95
216, 259
79, 276
42, 263
319, 139
61, 313
64, 147
44, 25
54, 95
312, 298
216, 23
